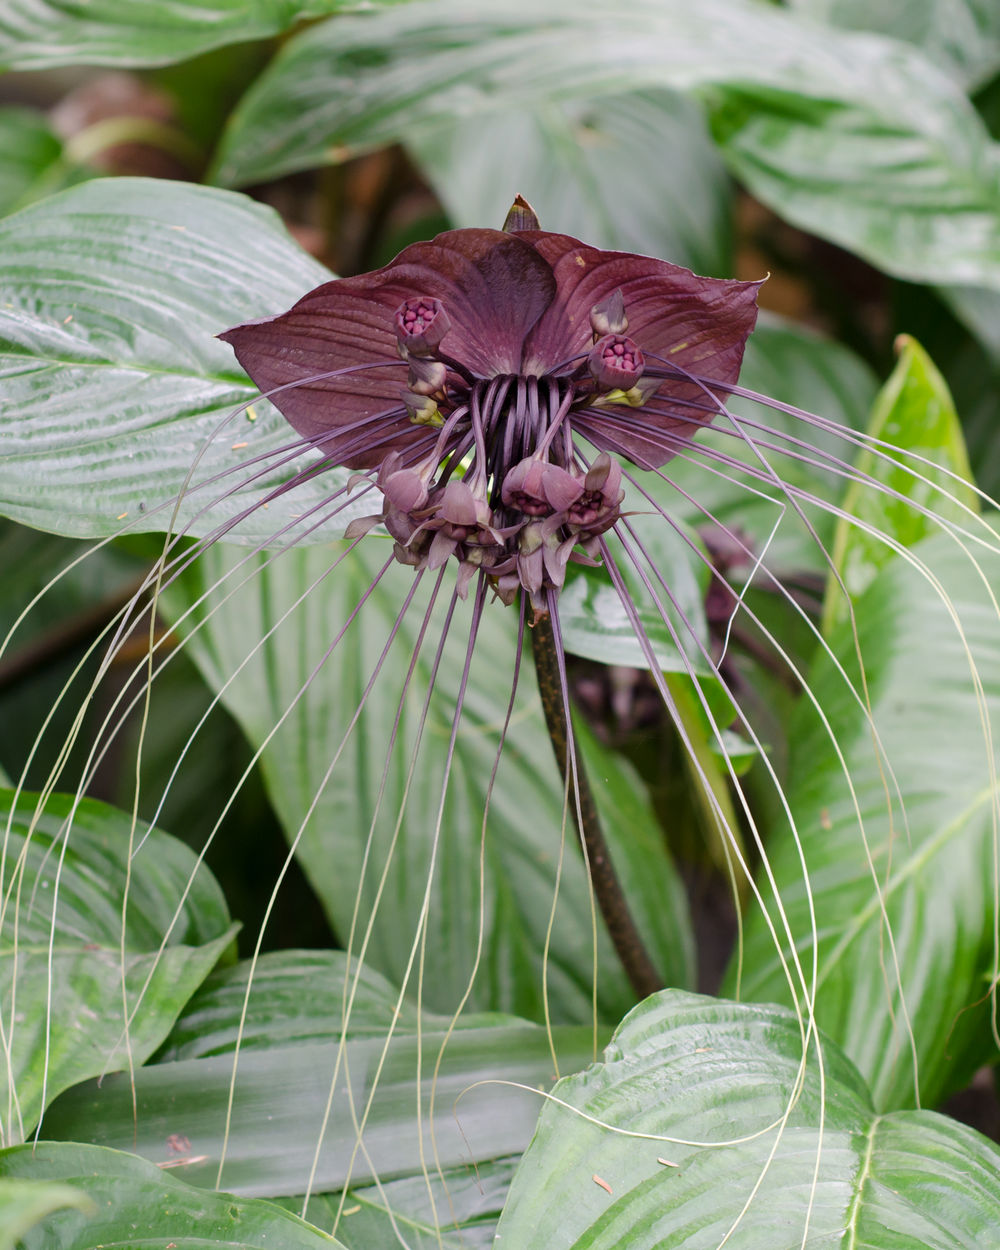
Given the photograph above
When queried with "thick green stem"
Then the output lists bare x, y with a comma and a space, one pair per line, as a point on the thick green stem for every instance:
610, 897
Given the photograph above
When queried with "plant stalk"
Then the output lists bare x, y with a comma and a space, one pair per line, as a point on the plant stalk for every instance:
628, 943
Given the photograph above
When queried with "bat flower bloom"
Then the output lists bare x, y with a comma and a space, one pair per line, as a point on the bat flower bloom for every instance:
485, 381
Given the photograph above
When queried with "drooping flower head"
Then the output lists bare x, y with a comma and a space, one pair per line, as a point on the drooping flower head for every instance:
467, 371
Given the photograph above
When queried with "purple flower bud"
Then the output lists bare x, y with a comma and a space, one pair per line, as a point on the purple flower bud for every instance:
616, 363
608, 317
421, 324
427, 377
405, 489
462, 508
413, 553
598, 506
537, 488
605, 476
422, 409
531, 557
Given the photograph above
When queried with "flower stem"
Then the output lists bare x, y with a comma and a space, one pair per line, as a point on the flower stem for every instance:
631, 949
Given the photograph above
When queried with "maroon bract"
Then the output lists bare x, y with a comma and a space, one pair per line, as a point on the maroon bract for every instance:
468, 371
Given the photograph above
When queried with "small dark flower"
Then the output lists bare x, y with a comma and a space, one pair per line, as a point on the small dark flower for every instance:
470, 372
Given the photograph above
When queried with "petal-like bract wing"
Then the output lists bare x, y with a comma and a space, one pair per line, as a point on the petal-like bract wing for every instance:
699, 325
493, 287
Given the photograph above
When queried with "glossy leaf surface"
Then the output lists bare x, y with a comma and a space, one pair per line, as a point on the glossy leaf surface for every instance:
715, 1144
137, 1205
297, 998
290, 996
113, 381
25, 1203
456, 1210
281, 1093
901, 860
60, 946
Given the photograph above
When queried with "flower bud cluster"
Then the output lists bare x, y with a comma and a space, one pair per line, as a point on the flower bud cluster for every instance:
547, 513
569, 509
433, 523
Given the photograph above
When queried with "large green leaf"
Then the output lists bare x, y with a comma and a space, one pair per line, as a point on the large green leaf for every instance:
297, 998
962, 36
903, 882
279, 1101
24, 1203
686, 1072
290, 996
522, 845
35, 34
916, 414
61, 945
113, 381
577, 162
136, 1205
906, 175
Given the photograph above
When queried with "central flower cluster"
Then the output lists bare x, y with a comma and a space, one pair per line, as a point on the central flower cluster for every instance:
503, 490
485, 383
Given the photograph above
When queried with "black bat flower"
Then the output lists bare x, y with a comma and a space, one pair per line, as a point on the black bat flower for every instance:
479, 373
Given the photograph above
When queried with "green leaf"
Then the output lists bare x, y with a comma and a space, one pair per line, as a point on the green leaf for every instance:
914, 412
24, 1203
297, 998
594, 622
905, 176
456, 1209
684, 1073
280, 1095
113, 382
294, 996
578, 164
899, 862
37, 34
61, 944
333, 791
32, 163
962, 36
138, 1206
